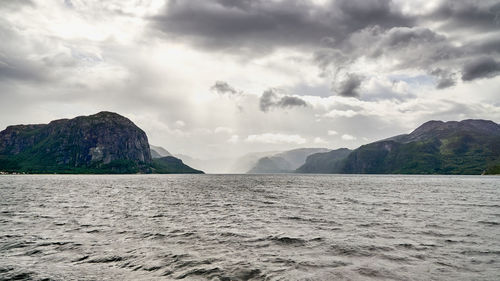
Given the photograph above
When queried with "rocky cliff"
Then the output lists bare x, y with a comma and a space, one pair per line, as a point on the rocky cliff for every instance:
102, 143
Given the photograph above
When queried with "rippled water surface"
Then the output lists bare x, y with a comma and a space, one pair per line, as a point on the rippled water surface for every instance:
249, 227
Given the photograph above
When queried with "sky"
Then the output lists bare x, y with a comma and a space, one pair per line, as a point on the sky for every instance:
221, 78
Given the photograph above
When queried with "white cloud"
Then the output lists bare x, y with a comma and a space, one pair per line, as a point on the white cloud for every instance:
275, 139
234, 139
348, 137
332, 133
341, 113
318, 140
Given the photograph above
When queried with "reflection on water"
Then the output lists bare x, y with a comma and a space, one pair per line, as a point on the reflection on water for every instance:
249, 227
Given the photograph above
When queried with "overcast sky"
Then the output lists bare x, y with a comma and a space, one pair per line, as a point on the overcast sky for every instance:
226, 77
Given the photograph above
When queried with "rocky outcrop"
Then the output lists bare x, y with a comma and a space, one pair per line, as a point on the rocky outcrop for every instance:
102, 143
80, 142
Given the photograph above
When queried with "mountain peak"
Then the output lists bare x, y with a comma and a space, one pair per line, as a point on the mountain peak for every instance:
439, 129
106, 114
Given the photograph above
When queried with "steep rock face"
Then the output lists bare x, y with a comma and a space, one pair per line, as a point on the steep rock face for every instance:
325, 163
85, 141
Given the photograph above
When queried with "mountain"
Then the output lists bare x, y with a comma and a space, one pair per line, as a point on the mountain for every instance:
284, 162
246, 162
172, 165
271, 165
436, 147
326, 162
102, 143
158, 152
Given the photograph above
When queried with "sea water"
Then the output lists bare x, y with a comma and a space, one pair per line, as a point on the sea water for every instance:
249, 227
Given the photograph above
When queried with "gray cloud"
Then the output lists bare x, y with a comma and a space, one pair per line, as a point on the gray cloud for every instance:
18, 69
16, 4
350, 86
263, 25
288, 101
271, 98
221, 88
446, 82
484, 67
468, 14
15, 62
445, 79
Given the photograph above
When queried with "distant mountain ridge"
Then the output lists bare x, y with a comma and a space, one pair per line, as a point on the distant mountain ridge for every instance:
105, 142
284, 162
325, 163
246, 162
158, 152
435, 147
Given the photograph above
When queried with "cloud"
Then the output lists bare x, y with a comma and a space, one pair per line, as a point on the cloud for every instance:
180, 123
484, 67
468, 14
340, 113
319, 140
222, 88
350, 86
234, 139
154, 61
16, 4
271, 138
262, 25
223, 130
272, 98
348, 137
440, 38
445, 78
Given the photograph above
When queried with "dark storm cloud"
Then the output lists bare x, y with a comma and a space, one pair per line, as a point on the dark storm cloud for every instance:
402, 37
468, 14
341, 32
264, 25
484, 67
350, 86
490, 45
221, 88
271, 98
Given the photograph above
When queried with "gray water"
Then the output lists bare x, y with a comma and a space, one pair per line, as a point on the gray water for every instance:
249, 227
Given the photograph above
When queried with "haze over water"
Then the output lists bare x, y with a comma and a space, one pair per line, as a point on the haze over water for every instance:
249, 227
